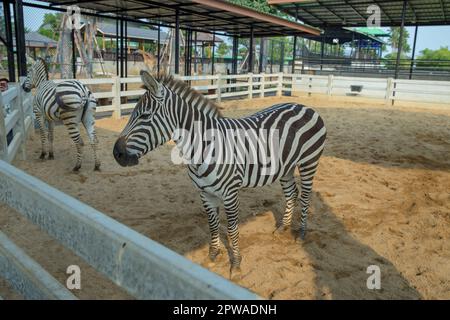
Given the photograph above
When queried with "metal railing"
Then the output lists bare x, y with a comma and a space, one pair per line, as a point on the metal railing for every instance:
16, 120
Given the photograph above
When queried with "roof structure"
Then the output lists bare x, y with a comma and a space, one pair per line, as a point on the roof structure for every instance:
109, 29
204, 15
344, 35
37, 40
355, 13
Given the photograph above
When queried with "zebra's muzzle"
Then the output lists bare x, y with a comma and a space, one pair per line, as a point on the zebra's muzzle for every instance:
121, 154
26, 88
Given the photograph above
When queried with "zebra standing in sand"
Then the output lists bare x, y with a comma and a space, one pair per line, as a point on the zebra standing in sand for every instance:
69, 101
170, 106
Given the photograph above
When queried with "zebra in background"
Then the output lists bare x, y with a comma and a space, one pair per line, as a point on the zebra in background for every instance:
170, 106
69, 101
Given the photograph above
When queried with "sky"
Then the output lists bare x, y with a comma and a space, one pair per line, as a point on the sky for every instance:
427, 37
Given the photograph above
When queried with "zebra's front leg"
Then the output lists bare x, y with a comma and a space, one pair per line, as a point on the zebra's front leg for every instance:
290, 191
51, 127
43, 133
231, 204
89, 124
74, 133
211, 206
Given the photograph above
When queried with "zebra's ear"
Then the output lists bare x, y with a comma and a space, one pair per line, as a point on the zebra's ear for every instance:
149, 82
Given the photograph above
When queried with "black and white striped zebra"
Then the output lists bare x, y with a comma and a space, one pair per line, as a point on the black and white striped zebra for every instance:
69, 101
170, 109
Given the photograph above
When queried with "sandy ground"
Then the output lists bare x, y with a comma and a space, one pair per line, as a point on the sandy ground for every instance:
381, 197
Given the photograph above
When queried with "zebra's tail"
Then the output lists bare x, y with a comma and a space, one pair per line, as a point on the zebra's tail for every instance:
71, 95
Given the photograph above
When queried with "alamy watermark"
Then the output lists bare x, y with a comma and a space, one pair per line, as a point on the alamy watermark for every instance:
231, 146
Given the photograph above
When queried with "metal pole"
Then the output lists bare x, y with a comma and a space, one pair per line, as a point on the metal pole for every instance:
177, 42
261, 55
9, 40
322, 47
250, 51
400, 40
282, 56
74, 58
294, 54
271, 55
20, 38
158, 45
117, 48
234, 55
213, 53
195, 53
413, 52
126, 49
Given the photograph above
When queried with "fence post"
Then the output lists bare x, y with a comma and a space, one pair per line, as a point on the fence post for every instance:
388, 90
330, 84
280, 84
261, 86
219, 88
3, 142
116, 101
19, 106
250, 85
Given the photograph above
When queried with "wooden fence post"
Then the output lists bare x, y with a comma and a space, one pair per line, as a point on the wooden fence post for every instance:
3, 142
388, 90
261, 85
117, 100
250, 85
330, 84
280, 84
21, 121
219, 88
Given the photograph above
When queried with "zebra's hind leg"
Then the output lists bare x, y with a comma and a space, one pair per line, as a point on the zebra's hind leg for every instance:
290, 191
211, 206
43, 133
89, 124
70, 121
307, 173
51, 127
231, 204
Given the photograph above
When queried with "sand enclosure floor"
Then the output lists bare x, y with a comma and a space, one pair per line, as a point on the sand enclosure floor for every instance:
381, 197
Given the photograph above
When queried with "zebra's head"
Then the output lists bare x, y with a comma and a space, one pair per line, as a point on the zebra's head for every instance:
36, 74
149, 125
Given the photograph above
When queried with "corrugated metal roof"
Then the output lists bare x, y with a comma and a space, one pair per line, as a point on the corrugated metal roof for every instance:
355, 13
37, 40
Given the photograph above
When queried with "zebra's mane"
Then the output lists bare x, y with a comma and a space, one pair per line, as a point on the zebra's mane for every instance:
45, 66
189, 94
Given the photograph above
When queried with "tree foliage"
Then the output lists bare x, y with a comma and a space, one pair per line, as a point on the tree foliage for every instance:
395, 37
258, 5
50, 25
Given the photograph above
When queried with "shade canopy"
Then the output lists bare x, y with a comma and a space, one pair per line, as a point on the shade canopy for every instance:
355, 13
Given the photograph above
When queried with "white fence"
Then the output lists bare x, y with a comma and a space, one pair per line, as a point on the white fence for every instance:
16, 120
219, 87
144, 268
388, 89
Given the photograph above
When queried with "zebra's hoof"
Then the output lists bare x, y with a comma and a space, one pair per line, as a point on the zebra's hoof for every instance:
42, 156
281, 230
213, 254
51, 156
235, 273
76, 169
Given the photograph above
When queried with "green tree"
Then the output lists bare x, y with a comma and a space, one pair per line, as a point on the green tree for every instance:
222, 50
395, 37
439, 58
259, 5
51, 25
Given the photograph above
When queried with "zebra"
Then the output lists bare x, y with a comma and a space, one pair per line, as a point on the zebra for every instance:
169, 106
69, 101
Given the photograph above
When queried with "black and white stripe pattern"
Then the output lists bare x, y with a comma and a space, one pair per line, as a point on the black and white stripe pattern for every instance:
69, 101
170, 105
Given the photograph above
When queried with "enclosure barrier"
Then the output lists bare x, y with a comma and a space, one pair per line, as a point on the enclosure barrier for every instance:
120, 91
16, 123
144, 268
